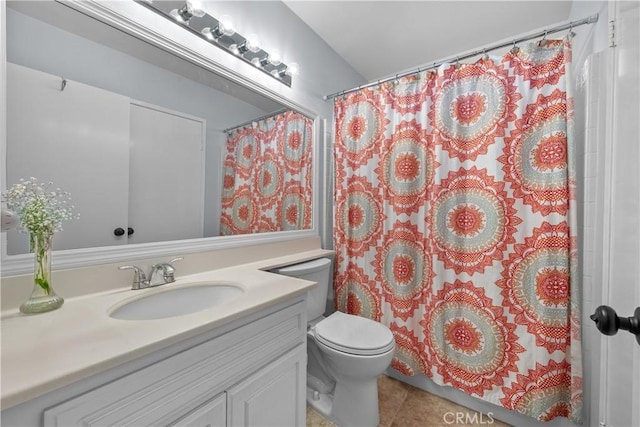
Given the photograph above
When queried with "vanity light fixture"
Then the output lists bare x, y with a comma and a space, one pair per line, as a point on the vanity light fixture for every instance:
292, 70
221, 33
274, 57
241, 49
253, 43
224, 28
185, 13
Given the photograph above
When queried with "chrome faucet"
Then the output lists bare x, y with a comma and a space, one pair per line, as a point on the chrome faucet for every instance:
163, 273
160, 274
139, 278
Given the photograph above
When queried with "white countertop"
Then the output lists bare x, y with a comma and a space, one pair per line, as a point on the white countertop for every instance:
43, 352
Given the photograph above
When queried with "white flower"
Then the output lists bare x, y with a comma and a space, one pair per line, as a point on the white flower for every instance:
41, 211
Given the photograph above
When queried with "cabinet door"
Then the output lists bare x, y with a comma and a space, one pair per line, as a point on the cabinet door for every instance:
211, 414
273, 396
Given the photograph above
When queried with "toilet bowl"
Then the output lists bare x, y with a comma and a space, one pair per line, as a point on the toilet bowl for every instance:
354, 351
346, 354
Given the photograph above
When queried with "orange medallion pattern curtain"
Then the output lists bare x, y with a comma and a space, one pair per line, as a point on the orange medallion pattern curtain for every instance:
267, 176
455, 226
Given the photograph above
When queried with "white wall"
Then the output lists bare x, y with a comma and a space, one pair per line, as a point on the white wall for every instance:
44, 47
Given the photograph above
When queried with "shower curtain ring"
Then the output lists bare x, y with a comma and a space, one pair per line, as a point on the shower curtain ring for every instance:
543, 38
515, 49
485, 56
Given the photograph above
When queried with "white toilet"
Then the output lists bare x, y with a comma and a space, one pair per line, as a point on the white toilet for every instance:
346, 354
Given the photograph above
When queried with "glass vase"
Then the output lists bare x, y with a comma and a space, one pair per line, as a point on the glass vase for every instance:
43, 297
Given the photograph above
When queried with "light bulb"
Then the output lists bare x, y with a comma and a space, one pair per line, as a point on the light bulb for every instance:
196, 8
253, 43
225, 26
293, 69
274, 58
255, 61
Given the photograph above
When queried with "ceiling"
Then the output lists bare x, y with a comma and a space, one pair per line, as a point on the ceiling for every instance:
383, 38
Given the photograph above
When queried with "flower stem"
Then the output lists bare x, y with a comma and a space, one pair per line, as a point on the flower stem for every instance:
41, 245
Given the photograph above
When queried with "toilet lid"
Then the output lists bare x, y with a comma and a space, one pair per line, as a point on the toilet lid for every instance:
354, 334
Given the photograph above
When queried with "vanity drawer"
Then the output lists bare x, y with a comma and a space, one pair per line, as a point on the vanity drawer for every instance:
166, 391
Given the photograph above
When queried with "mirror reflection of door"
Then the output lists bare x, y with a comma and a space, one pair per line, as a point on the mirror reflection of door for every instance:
70, 137
166, 171
140, 160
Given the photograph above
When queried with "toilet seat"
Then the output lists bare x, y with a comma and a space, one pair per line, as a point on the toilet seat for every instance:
354, 335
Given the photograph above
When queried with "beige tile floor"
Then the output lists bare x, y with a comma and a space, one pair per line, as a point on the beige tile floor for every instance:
402, 405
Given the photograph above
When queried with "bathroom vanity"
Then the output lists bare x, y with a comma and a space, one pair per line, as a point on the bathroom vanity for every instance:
200, 386
239, 363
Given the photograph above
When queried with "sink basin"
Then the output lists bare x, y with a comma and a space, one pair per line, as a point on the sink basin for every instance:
177, 302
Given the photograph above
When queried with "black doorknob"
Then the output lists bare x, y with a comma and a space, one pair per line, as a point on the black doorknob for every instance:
130, 231
608, 322
119, 231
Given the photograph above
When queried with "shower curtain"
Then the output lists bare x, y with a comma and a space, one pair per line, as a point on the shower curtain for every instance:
455, 225
267, 176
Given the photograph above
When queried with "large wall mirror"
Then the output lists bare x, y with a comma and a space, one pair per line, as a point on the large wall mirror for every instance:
158, 153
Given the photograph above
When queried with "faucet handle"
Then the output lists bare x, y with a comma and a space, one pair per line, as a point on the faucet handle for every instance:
139, 278
163, 273
169, 272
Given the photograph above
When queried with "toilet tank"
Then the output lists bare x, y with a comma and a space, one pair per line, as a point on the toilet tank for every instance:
319, 271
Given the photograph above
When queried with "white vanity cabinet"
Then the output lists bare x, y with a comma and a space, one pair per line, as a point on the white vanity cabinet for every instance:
254, 374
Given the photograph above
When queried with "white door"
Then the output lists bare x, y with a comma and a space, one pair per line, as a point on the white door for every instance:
166, 166
620, 380
70, 136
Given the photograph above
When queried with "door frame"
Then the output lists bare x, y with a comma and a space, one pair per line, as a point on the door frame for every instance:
620, 280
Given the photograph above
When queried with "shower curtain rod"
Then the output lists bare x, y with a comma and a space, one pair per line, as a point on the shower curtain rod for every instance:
266, 116
568, 26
